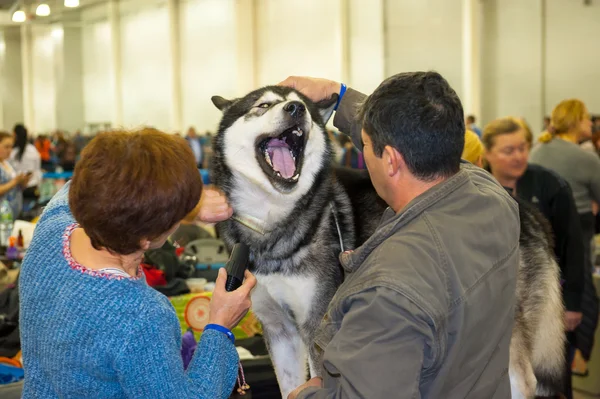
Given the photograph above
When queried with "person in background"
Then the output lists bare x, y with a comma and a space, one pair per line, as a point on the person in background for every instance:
68, 157
351, 157
207, 150
80, 141
338, 150
11, 182
596, 123
586, 140
526, 130
90, 324
44, 147
506, 154
546, 123
473, 151
59, 143
26, 159
470, 124
559, 151
596, 142
195, 142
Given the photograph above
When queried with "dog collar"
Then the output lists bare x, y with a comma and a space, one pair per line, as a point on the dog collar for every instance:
252, 223
259, 226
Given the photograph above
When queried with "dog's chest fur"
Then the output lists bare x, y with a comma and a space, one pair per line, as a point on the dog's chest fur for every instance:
292, 294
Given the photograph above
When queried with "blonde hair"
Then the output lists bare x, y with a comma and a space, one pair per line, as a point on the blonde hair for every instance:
527, 130
565, 116
501, 126
473, 150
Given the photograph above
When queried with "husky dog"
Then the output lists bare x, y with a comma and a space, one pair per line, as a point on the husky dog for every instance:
296, 212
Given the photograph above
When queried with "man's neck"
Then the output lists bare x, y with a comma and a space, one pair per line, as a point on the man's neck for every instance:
84, 253
410, 189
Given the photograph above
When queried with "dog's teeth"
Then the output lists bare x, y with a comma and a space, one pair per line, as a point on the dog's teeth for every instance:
292, 155
295, 178
268, 158
278, 174
298, 132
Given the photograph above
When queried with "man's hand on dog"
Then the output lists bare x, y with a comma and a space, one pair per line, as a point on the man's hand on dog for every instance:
316, 89
313, 382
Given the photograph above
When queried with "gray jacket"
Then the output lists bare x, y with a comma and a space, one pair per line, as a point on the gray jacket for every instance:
580, 168
427, 306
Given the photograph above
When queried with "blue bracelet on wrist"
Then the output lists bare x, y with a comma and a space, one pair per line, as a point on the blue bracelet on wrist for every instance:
342, 91
222, 329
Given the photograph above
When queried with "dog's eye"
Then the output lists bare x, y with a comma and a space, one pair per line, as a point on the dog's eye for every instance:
264, 105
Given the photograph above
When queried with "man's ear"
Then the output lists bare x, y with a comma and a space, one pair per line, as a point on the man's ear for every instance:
326, 107
221, 103
394, 160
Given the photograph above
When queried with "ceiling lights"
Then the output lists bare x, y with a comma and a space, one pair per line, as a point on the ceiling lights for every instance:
42, 10
19, 16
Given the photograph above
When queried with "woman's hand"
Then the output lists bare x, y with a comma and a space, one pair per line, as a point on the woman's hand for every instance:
212, 207
22, 179
572, 320
228, 308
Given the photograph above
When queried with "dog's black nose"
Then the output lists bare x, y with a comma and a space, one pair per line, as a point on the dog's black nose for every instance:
295, 109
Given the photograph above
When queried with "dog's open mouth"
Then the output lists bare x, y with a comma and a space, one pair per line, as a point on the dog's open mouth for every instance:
281, 156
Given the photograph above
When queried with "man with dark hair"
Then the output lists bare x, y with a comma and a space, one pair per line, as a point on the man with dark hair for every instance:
427, 306
432, 126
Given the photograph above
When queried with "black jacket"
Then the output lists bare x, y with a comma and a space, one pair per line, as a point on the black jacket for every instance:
552, 195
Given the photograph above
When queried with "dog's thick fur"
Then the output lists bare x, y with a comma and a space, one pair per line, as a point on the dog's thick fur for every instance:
294, 240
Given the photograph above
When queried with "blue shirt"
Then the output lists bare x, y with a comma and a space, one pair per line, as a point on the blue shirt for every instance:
85, 333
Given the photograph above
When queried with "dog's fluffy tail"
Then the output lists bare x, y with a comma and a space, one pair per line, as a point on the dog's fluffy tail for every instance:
548, 355
538, 343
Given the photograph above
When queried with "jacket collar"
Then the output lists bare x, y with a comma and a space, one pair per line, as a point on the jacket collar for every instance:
391, 222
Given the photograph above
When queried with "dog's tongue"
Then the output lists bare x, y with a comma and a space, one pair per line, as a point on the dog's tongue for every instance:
281, 158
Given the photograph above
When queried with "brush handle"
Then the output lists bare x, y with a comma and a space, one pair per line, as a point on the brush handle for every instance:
236, 266
232, 283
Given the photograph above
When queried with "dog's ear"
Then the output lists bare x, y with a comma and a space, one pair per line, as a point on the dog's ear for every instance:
221, 103
326, 107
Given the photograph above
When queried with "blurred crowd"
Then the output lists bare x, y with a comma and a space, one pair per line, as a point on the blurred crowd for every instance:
24, 160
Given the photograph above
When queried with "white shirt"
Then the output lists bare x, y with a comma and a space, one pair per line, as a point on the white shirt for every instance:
30, 162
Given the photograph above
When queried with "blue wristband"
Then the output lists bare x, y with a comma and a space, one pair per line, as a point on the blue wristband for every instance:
342, 91
222, 329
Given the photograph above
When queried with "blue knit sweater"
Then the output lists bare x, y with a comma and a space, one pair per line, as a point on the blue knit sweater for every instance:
89, 335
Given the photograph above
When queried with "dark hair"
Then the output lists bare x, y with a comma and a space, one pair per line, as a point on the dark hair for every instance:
131, 186
20, 140
471, 118
421, 116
